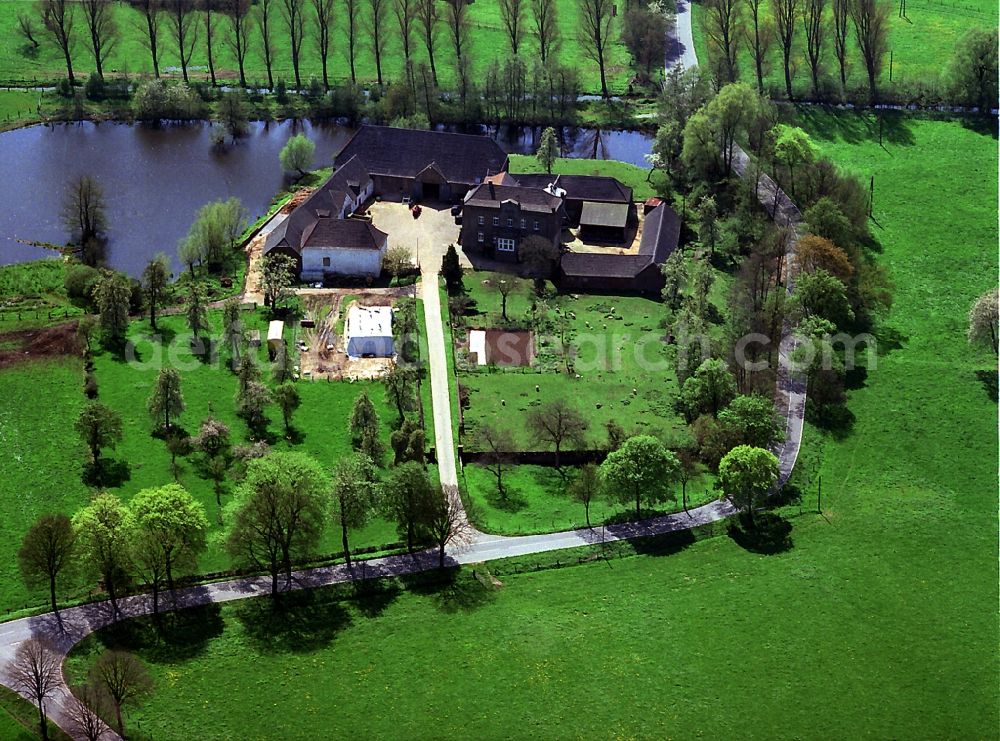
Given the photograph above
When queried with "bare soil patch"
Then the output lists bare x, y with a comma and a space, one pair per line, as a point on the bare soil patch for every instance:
33, 344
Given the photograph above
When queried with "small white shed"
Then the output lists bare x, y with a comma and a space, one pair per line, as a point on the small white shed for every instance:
369, 332
275, 338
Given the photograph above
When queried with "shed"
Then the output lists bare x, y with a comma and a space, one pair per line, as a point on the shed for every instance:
369, 332
254, 338
275, 335
604, 221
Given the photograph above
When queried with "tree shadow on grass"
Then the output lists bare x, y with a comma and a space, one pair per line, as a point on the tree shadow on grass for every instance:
988, 378
295, 622
511, 500
985, 125
373, 596
770, 534
107, 473
453, 590
168, 637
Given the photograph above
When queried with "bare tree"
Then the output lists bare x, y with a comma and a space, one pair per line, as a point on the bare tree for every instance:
36, 673
102, 29
353, 11
447, 524
293, 12
723, 25
26, 28
760, 36
57, 18
151, 40
209, 17
323, 30
557, 422
124, 678
512, 14
84, 212
871, 28
84, 713
406, 14
596, 19
497, 444
785, 14
816, 28
458, 26
377, 21
545, 21
841, 15
264, 18
239, 34
429, 20
183, 23
47, 550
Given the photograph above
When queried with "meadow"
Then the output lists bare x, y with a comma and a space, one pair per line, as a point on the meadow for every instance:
44, 458
875, 618
921, 45
20, 65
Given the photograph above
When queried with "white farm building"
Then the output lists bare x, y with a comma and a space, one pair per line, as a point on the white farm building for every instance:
369, 332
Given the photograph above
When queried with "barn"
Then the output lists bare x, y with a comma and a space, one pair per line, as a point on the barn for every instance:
369, 332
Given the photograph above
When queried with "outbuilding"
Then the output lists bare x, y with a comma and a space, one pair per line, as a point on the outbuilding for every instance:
275, 336
368, 331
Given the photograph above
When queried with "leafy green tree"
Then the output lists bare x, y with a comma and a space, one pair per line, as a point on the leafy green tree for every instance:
104, 531
674, 279
972, 72
113, 295
195, 311
232, 328
364, 419
821, 294
215, 232
548, 149
247, 372
451, 269
826, 219
48, 550
251, 404
983, 318
231, 112
557, 422
214, 442
792, 148
398, 382
711, 133
170, 533
752, 420
586, 487
746, 476
408, 496
99, 426
286, 396
642, 468
539, 256
407, 443
277, 275
297, 154
155, 280
355, 495
710, 389
278, 514
166, 401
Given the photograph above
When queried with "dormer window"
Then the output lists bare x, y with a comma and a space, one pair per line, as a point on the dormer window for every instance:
323, 213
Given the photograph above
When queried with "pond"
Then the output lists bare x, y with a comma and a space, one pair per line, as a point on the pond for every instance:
155, 179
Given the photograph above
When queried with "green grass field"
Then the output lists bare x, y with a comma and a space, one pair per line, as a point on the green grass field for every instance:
921, 44
20, 65
46, 457
879, 620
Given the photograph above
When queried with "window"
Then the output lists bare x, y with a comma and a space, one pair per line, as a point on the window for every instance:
482, 220
496, 221
536, 225
505, 245
524, 223
510, 222
479, 237
326, 262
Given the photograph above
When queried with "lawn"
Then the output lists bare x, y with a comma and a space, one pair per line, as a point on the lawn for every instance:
877, 618
47, 458
636, 178
921, 44
20, 65
536, 501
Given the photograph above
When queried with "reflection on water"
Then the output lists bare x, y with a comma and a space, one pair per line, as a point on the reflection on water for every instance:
155, 179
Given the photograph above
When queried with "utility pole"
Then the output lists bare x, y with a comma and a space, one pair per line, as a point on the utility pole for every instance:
819, 496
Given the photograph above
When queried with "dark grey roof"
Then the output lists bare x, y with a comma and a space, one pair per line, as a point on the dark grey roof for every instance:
324, 204
581, 187
660, 233
489, 195
604, 214
461, 158
349, 234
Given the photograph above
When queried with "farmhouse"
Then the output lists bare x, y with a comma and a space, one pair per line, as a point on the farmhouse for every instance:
579, 190
369, 332
496, 218
423, 165
320, 236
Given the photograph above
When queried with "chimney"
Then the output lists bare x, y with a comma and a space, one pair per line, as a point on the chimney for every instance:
493, 194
